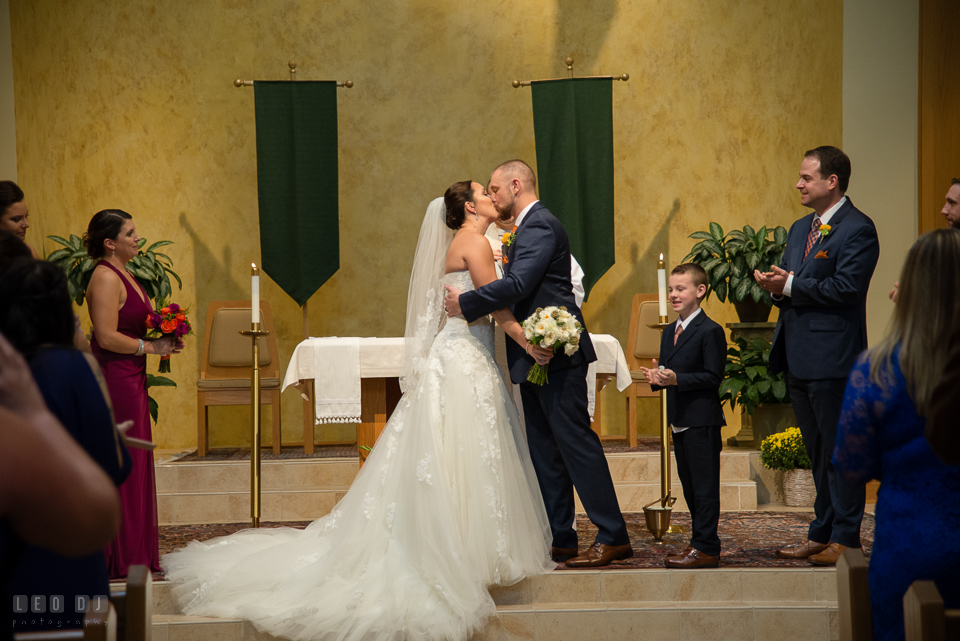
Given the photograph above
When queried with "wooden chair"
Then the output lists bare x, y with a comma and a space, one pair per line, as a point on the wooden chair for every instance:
97, 626
643, 345
853, 597
227, 358
134, 605
924, 616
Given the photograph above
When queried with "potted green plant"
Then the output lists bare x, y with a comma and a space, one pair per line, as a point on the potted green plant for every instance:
730, 259
762, 396
151, 268
785, 452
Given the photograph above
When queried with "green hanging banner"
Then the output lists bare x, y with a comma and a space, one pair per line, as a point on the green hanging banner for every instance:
573, 129
297, 183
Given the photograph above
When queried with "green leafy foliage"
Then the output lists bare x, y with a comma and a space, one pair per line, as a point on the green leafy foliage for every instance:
157, 381
150, 267
785, 451
729, 259
747, 379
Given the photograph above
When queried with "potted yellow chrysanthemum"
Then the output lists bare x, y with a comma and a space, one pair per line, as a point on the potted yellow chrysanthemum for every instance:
785, 452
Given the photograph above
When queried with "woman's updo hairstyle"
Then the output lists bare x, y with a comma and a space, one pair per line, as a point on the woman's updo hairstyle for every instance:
105, 225
455, 199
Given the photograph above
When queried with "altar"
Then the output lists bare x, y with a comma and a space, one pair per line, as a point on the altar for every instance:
381, 362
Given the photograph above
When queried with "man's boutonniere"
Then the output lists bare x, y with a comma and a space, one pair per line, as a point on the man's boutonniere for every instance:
507, 240
824, 231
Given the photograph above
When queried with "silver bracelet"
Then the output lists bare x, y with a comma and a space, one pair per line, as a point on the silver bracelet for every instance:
140, 348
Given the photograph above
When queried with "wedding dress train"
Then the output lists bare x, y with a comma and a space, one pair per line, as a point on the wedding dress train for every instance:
446, 504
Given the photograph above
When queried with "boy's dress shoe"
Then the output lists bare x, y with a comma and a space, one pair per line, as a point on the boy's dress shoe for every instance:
692, 559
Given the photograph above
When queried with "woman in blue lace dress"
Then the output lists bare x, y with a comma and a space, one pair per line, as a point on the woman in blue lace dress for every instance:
881, 436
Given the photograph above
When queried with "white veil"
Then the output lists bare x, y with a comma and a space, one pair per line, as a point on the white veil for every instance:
425, 315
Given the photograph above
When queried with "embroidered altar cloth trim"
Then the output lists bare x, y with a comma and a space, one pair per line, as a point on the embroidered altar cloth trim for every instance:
334, 364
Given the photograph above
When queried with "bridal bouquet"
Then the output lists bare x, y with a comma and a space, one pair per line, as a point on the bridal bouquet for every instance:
168, 320
551, 327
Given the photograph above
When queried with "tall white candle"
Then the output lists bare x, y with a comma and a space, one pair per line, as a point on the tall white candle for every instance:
662, 285
254, 294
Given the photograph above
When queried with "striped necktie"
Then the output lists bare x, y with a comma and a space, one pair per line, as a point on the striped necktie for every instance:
812, 236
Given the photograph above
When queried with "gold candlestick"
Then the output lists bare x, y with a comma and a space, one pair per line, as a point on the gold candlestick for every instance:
255, 333
658, 516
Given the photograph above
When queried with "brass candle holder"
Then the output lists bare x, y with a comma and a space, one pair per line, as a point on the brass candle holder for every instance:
657, 513
255, 333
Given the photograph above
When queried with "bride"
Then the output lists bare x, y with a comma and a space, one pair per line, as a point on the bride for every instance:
446, 504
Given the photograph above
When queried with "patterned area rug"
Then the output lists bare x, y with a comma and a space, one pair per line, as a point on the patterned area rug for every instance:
644, 444
749, 539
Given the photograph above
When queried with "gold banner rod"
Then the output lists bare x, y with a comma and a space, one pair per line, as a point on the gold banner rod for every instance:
293, 71
569, 62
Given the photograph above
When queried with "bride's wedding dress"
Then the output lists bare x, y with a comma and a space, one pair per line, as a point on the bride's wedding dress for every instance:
446, 504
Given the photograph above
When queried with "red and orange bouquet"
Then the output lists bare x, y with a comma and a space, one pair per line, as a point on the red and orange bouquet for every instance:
168, 320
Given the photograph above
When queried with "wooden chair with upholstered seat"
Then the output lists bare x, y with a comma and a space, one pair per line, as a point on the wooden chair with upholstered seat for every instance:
227, 359
643, 345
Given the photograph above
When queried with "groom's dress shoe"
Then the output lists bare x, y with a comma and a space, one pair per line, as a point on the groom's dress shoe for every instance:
601, 554
679, 555
562, 554
801, 550
693, 558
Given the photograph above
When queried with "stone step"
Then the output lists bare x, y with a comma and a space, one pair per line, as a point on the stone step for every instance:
757, 586
594, 622
308, 505
304, 490
335, 473
739, 603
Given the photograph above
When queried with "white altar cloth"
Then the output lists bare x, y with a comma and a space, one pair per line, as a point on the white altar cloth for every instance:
383, 358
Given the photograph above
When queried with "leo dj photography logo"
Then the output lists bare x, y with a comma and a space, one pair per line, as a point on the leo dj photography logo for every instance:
30, 610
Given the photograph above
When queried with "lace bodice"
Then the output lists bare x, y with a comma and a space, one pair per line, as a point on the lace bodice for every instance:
482, 328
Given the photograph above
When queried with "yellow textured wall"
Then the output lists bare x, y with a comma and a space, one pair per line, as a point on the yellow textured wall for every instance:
131, 105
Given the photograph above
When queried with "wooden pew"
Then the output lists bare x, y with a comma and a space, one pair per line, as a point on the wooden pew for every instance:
853, 597
134, 605
924, 616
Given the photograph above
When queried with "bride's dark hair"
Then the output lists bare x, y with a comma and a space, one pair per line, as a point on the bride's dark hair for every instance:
455, 199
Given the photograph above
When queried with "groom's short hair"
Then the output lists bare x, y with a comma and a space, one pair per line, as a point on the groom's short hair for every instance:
518, 169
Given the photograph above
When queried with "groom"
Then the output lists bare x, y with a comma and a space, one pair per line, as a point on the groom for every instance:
566, 453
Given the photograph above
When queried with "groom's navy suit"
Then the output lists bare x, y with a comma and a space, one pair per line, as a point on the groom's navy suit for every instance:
564, 450
821, 330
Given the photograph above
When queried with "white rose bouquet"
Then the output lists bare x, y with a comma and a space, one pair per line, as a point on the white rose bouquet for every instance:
555, 328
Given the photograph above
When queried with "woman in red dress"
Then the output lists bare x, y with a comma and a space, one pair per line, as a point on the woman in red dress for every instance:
119, 307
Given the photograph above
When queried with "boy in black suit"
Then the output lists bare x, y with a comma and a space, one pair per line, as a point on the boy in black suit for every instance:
693, 352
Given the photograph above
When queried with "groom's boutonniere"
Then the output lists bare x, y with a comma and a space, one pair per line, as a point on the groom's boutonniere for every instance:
507, 240
824, 231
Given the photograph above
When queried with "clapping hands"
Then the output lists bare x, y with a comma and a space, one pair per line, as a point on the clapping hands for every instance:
660, 376
773, 281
